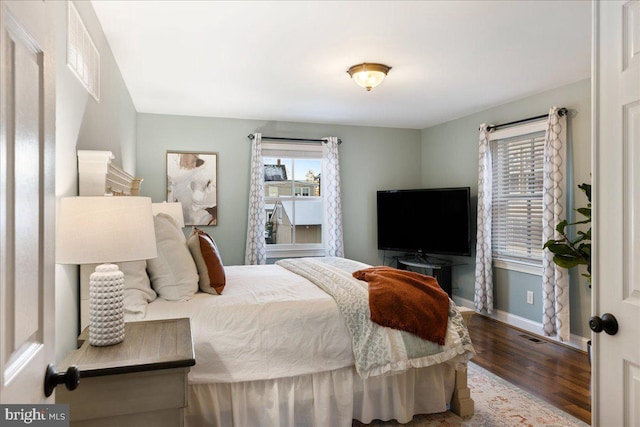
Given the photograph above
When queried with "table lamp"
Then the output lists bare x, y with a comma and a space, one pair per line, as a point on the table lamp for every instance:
105, 229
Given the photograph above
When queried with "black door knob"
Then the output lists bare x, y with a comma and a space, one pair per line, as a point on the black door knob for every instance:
70, 379
607, 323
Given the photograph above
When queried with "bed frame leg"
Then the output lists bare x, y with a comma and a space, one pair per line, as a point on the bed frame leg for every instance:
461, 402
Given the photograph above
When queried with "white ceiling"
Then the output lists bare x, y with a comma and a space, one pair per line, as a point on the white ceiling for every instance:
287, 60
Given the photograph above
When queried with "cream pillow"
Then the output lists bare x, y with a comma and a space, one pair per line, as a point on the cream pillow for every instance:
173, 273
208, 261
137, 289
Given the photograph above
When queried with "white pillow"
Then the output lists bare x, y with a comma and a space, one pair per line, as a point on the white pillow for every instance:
173, 273
137, 289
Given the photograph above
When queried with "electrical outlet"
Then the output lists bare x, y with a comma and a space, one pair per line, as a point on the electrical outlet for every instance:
529, 297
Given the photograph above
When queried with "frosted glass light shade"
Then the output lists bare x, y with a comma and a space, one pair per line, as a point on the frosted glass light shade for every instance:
101, 229
174, 210
368, 76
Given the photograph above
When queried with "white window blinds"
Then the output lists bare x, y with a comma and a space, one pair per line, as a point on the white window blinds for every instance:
517, 198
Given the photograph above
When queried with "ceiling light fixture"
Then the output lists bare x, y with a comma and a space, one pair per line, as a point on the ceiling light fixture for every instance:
367, 75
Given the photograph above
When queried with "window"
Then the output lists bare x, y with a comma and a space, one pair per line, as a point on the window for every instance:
82, 56
303, 191
517, 168
293, 202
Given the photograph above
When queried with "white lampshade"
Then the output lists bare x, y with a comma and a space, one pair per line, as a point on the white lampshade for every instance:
103, 229
172, 209
367, 75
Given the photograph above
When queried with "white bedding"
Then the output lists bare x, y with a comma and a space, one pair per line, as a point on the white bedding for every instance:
379, 350
239, 337
332, 398
255, 366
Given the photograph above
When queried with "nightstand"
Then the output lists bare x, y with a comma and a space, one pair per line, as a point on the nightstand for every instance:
140, 382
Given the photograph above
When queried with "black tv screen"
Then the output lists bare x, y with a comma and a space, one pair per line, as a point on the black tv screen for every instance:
430, 221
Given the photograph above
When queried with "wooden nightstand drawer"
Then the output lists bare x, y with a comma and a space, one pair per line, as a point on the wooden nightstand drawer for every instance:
142, 381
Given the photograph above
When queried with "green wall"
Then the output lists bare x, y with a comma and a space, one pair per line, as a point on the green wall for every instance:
371, 159
450, 158
83, 123
374, 159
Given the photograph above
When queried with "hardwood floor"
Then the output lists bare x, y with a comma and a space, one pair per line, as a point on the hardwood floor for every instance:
559, 374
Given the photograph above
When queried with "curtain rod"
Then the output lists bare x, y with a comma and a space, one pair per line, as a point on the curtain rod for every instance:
276, 138
562, 111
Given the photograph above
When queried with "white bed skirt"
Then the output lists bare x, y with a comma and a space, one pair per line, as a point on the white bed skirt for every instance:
331, 398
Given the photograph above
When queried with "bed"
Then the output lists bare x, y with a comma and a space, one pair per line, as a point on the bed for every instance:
275, 348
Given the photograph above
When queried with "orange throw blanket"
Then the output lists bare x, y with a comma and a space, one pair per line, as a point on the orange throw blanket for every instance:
407, 301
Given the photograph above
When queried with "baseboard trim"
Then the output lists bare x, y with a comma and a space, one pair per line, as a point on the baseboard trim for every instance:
527, 325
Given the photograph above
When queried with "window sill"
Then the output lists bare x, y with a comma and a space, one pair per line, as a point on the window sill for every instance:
521, 267
294, 253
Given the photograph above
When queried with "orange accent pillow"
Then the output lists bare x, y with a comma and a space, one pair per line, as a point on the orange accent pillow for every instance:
208, 261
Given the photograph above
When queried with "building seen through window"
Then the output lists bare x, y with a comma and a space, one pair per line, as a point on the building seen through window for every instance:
292, 201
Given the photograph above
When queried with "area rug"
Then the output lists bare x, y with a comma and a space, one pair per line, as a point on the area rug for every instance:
498, 403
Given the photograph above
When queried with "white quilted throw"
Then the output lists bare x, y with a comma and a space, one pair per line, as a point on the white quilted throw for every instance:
377, 349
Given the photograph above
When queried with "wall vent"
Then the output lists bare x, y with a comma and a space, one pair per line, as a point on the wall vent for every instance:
532, 339
82, 56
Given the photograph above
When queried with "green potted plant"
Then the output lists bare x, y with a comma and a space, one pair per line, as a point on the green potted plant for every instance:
569, 252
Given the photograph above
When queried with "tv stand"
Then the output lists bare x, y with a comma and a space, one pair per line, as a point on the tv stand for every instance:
440, 269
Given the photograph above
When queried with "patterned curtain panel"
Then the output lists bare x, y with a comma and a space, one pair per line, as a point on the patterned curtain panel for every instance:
255, 252
555, 280
483, 298
330, 181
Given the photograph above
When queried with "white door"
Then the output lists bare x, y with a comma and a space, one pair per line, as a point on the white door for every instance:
27, 199
616, 218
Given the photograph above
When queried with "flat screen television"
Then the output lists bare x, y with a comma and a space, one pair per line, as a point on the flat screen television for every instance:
425, 221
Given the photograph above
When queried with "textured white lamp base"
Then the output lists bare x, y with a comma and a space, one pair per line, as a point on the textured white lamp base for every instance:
106, 306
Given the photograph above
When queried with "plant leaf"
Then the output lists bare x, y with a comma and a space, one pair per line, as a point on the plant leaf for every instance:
585, 211
584, 221
586, 188
561, 249
551, 242
561, 226
568, 262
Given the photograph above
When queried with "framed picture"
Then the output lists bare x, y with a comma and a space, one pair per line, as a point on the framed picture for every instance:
192, 180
